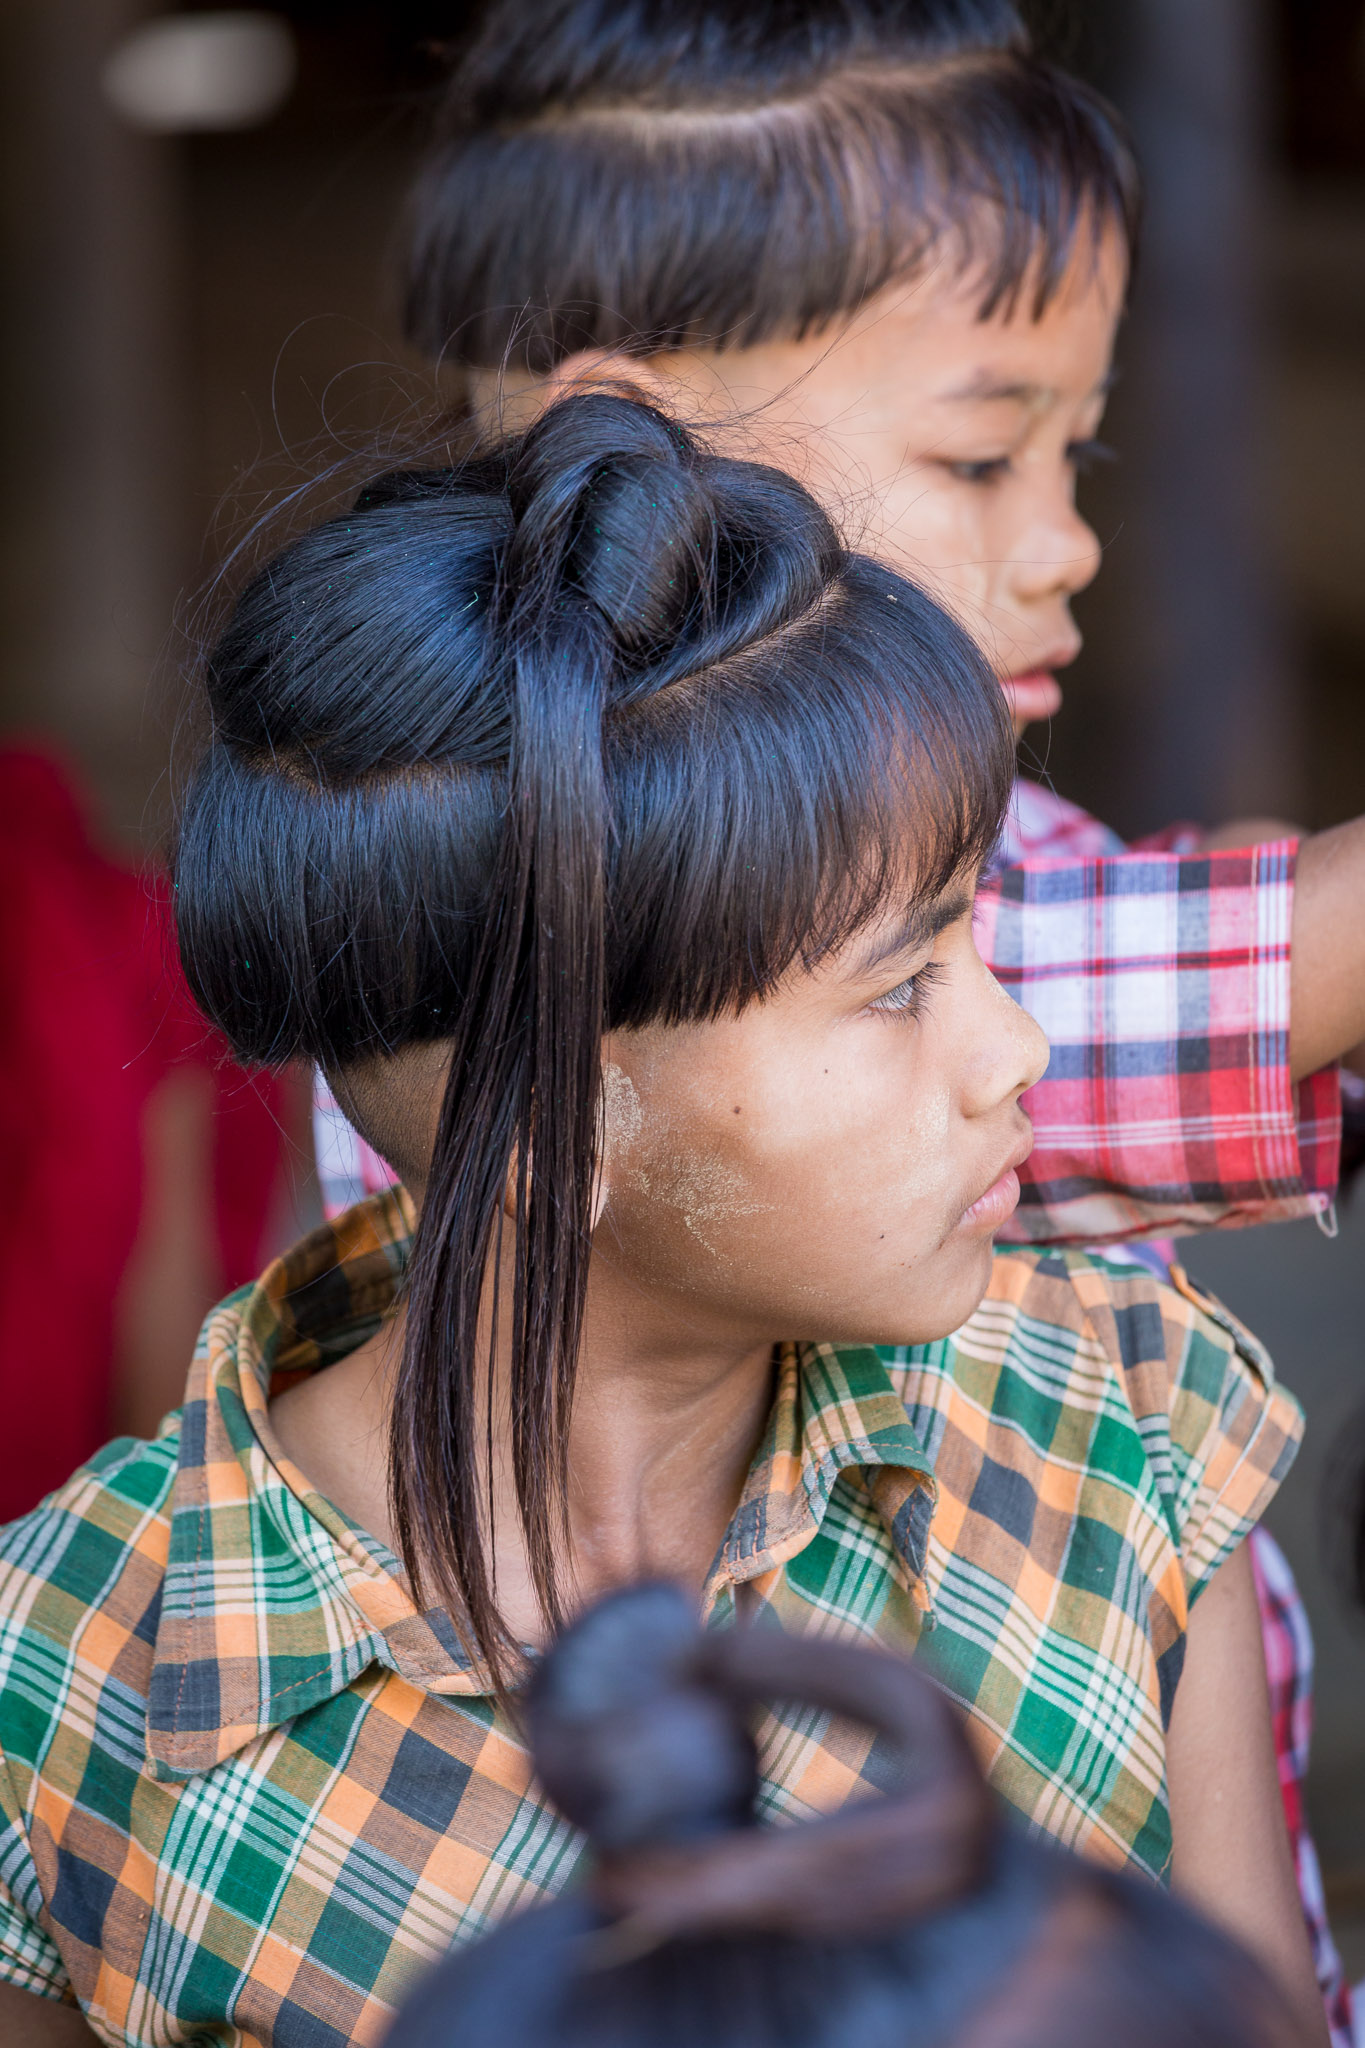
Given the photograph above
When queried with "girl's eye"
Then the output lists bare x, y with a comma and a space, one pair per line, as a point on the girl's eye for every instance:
988, 472
909, 998
1087, 455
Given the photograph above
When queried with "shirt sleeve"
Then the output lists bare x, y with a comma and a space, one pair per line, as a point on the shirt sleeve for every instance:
1219, 1432
29, 1958
1234, 1431
1162, 982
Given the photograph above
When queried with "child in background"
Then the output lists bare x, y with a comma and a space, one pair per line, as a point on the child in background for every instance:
895, 243
917, 1919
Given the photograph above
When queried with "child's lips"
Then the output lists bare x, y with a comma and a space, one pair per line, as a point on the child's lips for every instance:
994, 1209
1034, 696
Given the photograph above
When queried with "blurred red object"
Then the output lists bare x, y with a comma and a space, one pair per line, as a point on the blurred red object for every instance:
94, 1016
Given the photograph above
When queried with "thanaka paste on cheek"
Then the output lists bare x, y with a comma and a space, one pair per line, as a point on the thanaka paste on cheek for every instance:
622, 1117
925, 1153
708, 1193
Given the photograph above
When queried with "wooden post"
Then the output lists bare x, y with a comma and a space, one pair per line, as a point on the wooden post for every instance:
90, 414
1190, 641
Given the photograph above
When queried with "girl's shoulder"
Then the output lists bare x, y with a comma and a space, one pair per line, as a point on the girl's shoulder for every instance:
1094, 1368
1164, 1344
91, 1557
1147, 1327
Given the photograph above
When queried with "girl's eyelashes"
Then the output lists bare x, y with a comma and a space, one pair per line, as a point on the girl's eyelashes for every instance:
1082, 456
909, 998
989, 471
1087, 455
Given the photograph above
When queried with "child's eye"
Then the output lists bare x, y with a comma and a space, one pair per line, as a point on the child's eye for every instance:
987, 472
909, 998
1087, 455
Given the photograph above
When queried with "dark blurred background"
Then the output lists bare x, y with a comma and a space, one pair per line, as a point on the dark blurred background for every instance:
200, 296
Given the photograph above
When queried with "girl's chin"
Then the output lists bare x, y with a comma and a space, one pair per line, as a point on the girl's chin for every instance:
1032, 697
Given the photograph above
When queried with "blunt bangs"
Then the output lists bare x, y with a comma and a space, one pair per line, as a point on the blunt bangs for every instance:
663, 225
766, 813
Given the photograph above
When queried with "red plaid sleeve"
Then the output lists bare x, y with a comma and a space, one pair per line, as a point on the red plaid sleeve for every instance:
1162, 981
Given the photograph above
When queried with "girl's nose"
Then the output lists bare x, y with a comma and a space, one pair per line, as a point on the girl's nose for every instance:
1014, 1051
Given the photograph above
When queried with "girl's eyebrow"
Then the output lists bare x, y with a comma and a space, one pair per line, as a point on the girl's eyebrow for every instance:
921, 925
987, 388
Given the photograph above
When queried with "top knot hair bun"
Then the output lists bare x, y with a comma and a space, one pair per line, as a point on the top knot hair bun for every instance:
640, 1726
632, 1738
920, 1920
672, 546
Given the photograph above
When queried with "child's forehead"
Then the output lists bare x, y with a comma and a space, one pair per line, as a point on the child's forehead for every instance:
940, 313
920, 352
922, 349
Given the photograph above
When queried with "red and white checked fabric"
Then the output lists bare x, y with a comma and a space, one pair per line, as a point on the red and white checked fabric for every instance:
348, 1168
1242, 981
1161, 977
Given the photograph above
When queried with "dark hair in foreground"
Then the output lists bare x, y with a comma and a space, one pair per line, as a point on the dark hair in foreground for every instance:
594, 731
908, 1922
666, 173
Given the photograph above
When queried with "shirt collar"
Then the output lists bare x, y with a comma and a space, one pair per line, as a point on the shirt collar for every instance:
273, 1601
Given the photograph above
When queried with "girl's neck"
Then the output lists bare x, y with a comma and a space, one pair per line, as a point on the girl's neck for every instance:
663, 1434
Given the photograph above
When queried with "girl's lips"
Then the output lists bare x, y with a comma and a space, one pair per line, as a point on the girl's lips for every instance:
996, 1206
1034, 696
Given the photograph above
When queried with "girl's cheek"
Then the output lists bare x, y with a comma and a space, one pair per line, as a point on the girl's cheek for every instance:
916, 1162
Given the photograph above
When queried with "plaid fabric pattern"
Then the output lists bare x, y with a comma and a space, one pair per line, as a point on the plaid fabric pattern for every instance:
1161, 977
247, 1789
1044, 826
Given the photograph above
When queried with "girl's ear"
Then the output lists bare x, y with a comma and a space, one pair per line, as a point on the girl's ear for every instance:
619, 1124
601, 1193
608, 369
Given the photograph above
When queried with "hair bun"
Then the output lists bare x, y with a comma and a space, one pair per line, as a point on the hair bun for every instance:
639, 1723
609, 497
630, 1741
616, 503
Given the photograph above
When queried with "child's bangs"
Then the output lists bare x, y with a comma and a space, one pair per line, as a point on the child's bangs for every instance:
768, 811
1007, 169
734, 221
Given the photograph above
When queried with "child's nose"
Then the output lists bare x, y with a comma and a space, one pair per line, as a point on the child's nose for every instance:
1060, 558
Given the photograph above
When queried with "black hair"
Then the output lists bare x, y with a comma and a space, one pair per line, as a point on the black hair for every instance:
593, 730
654, 174
912, 1921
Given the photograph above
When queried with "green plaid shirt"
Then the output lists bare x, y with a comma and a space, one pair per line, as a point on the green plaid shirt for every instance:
247, 1789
